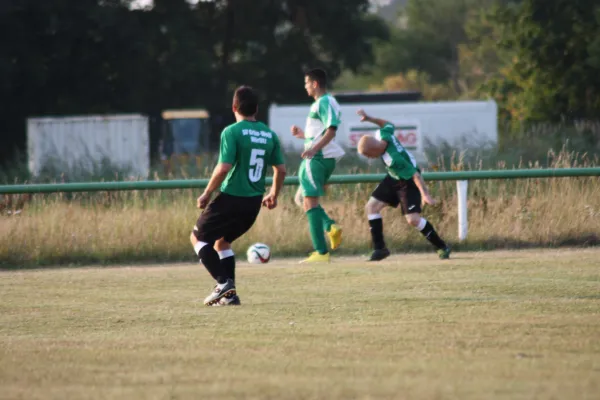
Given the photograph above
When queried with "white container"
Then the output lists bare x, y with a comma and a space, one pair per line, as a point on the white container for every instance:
461, 124
84, 142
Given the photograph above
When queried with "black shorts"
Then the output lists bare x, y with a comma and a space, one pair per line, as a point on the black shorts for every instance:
393, 192
227, 217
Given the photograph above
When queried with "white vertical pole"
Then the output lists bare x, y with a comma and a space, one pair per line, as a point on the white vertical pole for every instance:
461, 187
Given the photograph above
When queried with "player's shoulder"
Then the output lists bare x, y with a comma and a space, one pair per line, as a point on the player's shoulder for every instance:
327, 98
387, 129
230, 128
267, 128
261, 126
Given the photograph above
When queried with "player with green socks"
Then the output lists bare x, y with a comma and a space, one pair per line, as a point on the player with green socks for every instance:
319, 160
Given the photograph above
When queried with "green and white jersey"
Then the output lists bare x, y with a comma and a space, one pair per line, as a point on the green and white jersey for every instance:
250, 146
399, 162
324, 113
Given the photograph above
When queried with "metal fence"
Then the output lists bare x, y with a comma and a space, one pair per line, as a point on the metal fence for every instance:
293, 180
462, 178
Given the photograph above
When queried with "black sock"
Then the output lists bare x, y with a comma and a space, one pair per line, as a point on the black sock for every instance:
431, 235
211, 272
210, 259
376, 226
228, 267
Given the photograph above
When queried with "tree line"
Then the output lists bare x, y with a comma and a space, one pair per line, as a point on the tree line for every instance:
65, 57
538, 58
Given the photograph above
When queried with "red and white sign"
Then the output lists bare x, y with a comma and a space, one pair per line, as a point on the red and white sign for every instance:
408, 134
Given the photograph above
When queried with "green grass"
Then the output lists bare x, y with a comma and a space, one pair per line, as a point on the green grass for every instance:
499, 325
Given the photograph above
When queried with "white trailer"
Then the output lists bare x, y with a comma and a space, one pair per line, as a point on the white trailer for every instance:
84, 142
461, 124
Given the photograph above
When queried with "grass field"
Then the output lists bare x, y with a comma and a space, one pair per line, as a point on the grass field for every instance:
500, 325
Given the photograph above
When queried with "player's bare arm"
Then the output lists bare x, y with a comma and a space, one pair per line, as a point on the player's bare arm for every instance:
324, 141
364, 117
427, 199
297, 132
270, 200
218, 176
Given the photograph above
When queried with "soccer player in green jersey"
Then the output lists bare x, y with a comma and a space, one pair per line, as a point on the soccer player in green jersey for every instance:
403, 185
319, 159
247, 147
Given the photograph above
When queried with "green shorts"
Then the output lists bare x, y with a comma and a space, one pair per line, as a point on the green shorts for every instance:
313, 175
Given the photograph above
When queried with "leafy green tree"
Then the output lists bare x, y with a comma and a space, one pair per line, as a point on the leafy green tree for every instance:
275, 41
427, 38
482, 62
64, 57
554, 72
417, 81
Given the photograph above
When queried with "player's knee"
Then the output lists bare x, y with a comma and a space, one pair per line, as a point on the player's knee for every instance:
373, 206
308, 207
370, 208
310, 203
413, 219
222, 245
299, 198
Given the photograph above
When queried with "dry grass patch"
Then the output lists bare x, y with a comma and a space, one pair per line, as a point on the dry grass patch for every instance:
155, 226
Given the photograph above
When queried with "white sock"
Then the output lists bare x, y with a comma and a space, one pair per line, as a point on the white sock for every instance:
422, 224
374, 216
198, 246
225, 253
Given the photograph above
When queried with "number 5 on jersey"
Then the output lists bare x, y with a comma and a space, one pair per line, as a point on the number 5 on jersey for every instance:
256, 161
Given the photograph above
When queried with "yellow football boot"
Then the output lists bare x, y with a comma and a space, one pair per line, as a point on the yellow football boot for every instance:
316, 257
335, 236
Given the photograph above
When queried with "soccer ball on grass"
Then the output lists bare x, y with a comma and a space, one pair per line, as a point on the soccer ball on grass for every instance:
258, 253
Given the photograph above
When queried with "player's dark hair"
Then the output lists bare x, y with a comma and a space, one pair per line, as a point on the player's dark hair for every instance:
318, 75
245, 100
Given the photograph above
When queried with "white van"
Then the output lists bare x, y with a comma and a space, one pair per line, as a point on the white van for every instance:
461, 124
